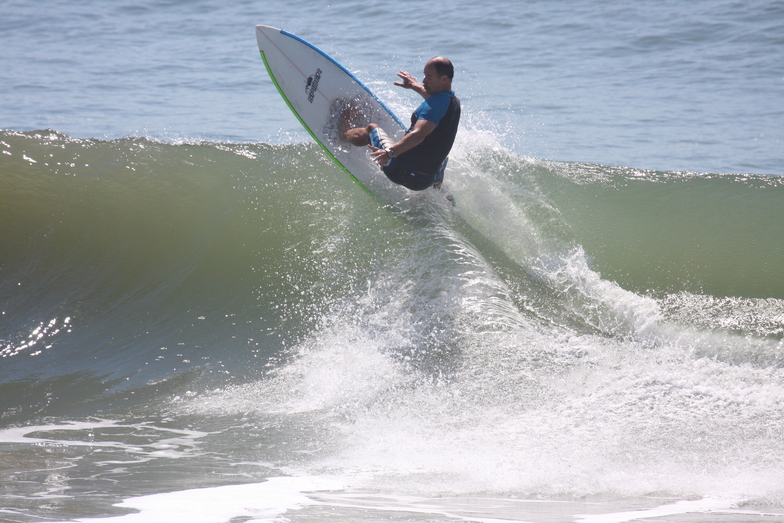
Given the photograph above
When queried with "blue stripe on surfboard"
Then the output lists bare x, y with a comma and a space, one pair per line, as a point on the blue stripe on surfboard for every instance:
366, 88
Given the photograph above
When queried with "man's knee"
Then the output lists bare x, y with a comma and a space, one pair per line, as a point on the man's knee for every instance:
359, 136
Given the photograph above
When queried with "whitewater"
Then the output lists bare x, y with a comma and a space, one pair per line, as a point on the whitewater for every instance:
203, 319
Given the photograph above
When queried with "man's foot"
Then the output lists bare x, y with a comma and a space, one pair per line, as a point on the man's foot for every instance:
439, 179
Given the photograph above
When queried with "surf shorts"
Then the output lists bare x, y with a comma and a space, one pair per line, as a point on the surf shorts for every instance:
398, 173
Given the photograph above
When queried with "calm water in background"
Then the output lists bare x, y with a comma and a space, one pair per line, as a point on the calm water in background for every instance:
203, 319
664, 85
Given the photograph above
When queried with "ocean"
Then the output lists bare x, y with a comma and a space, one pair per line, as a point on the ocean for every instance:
204, 319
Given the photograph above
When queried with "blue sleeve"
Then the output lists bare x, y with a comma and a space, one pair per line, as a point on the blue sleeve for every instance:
434, 108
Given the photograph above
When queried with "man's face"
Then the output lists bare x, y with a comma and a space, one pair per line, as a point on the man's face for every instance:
432, 82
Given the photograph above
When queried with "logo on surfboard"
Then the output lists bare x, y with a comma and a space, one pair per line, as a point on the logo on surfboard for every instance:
312, 85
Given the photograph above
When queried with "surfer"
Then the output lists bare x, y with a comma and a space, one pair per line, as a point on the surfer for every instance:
418, 160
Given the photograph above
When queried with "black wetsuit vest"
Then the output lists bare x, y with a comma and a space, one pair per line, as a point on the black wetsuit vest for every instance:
427, 157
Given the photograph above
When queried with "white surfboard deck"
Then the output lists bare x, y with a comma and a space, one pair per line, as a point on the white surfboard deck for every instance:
317, 88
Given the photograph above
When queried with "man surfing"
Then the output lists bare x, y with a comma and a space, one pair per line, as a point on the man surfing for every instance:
418, 160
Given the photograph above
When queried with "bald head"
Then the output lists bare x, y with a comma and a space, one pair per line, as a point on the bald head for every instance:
438, 75
443, 66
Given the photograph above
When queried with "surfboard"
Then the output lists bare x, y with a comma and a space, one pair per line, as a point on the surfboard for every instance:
317, 89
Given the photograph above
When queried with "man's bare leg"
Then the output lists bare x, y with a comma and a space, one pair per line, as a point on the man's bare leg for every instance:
358, 136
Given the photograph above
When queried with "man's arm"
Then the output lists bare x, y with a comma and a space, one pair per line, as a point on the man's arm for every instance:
409, 82
413, 138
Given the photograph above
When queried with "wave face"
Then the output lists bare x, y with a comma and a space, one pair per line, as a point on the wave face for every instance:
215, 313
